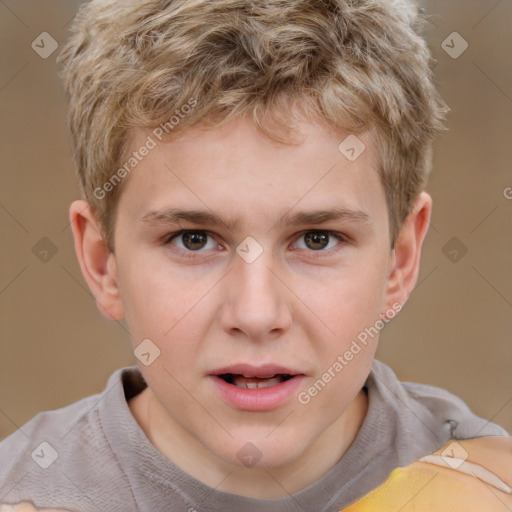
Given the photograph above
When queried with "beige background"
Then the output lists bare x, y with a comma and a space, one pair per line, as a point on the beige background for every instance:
455, 330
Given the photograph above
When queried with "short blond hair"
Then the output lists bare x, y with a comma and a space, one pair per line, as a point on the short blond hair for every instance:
358, 64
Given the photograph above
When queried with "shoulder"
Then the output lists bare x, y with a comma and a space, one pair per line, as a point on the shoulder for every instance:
470, 475
44, 426
429, 408
64, 453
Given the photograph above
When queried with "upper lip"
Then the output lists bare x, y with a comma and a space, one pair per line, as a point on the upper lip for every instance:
251, 371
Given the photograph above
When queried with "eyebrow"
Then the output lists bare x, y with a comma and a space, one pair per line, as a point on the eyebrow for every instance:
166, 216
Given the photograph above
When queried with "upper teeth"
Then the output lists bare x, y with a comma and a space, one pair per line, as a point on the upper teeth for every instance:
255, 383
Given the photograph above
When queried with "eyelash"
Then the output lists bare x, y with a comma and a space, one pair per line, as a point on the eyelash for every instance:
340, 237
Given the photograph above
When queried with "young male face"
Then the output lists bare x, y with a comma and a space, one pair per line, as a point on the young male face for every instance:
283, 301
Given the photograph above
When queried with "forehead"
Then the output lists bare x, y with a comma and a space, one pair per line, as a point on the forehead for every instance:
236, 169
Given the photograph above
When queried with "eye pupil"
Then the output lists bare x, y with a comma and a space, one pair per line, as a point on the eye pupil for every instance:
317, 240
197, 240
194, 241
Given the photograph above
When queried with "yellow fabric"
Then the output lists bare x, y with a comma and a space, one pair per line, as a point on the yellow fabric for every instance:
444, 487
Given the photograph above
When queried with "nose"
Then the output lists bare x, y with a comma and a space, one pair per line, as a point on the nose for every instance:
257, 305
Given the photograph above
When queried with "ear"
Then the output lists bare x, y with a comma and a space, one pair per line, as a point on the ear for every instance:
405, 261
96, 261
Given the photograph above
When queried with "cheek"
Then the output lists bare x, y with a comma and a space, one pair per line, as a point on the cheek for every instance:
352, 301
351, 310
159, 304
169, 312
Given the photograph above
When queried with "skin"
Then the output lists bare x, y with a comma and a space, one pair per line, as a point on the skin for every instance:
295, 305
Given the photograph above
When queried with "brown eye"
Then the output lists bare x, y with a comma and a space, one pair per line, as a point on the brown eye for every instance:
192, 241
317, 241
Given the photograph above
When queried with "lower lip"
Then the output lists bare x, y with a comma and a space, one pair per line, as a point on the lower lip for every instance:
259, 399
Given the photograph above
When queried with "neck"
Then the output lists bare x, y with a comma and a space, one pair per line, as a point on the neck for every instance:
191, 456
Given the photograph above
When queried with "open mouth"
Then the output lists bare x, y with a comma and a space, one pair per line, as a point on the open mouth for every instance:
241, 381
253, 388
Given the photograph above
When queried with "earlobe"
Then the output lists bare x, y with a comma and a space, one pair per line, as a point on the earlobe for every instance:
405, 261
96, 261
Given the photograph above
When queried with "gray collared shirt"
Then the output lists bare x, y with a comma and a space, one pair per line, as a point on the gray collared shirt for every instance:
95, 457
